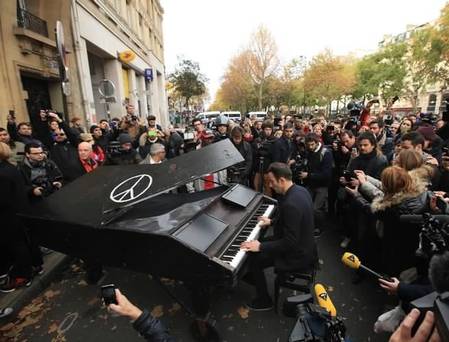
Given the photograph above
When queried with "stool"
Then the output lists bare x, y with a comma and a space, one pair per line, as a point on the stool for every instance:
294, 280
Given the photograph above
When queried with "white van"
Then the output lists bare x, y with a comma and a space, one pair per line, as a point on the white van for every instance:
207, 117
234, 116
259, 115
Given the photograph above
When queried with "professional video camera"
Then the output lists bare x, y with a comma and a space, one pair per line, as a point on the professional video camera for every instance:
300, 165
114, 148
354, 109
434, 245
235, 173
429, 118
47, 187
314, 323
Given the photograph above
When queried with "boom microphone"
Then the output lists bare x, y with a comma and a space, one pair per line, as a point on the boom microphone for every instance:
352, 261
324, 300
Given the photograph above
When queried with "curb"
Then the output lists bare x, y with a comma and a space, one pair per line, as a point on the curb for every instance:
53, 265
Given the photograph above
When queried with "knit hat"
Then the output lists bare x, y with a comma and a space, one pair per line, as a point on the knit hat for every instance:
124, 138
427, 132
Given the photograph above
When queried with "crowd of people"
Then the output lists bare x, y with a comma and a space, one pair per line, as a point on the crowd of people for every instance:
363, 171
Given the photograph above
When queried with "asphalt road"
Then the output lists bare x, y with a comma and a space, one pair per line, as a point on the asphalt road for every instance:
70, 310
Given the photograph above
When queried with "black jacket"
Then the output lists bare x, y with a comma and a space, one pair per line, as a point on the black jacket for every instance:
319, 168
13, 198
400, 239
151, 328
293, 244
245, 150
283, 150
372, 164
65, 155
53, 174
130, 157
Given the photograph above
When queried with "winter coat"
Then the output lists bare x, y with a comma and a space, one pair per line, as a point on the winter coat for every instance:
399, 240
151, 328
372, 164
319, 168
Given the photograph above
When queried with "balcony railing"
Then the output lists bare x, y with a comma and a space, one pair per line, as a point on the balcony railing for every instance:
30, 22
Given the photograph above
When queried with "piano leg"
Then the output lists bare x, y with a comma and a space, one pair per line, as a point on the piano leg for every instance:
201, 329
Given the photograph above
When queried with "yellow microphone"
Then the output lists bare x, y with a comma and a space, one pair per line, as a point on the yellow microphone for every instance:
324, 300
352, 261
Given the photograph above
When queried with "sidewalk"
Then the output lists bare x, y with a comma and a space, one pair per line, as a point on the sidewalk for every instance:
54, 263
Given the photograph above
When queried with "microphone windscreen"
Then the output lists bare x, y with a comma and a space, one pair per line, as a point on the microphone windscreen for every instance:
351, 260
324, 300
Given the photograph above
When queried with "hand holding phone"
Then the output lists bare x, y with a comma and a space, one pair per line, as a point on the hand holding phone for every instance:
108, 294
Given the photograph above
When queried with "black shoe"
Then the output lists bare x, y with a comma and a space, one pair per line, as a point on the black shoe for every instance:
260, 304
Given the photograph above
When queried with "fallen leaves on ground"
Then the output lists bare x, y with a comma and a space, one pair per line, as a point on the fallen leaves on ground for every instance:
243, 312
158, 311
52, 328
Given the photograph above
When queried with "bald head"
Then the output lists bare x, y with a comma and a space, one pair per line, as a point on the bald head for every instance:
84, 150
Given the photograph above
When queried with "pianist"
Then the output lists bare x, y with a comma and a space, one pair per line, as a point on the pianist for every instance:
292, 246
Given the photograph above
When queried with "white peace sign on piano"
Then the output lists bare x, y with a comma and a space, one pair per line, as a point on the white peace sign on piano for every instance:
131, 188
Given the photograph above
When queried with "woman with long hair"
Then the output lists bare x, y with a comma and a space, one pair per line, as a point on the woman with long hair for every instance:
400, 195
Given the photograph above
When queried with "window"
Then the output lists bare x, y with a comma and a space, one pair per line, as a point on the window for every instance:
432, 103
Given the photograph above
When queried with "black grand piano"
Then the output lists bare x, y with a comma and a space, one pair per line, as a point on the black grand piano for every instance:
125, 216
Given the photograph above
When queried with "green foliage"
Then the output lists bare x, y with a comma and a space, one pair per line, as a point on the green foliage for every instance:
188, 80
382, 72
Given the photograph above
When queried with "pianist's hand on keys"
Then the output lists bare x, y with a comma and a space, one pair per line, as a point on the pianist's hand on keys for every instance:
250, 246
264, 221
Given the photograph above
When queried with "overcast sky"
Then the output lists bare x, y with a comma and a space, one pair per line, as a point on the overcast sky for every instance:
212, 31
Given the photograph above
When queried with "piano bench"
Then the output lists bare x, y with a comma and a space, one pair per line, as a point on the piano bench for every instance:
301, 281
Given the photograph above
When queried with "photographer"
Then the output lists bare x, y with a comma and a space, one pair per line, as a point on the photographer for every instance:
240, 173
317, 175
41, 175
146, 325
130, 124
126, 154
262, 148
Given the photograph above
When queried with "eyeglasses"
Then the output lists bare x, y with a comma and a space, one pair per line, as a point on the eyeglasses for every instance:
37, 153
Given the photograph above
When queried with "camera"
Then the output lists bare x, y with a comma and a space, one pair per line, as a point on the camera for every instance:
354, 108
313, 322
114, 148
429, 118
235, 174
434, 245
47, 187
349, 175
108, 294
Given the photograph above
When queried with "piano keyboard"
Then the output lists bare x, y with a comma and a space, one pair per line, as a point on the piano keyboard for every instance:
233, 255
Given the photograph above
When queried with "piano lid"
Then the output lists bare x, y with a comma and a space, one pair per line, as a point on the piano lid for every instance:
91, 198
139, 183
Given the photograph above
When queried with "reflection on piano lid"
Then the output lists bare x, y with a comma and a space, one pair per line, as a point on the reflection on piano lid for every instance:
108, 192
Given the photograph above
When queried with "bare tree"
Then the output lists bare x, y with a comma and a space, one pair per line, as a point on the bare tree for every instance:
263, 61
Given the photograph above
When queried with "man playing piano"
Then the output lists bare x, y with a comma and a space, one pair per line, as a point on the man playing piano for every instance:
292, 246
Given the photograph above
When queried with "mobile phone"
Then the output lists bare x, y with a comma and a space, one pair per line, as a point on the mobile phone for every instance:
12, 114
108, 294
441, 204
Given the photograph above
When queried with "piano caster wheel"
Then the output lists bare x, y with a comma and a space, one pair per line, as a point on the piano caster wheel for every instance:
203, 331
